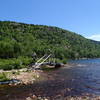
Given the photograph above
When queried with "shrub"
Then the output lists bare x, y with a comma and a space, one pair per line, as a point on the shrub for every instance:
15, 63
64, 61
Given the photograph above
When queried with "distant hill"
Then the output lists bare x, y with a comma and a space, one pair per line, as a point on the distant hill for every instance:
97, 42
19, 39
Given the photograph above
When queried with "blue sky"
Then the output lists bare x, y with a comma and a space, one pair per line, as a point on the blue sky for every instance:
80, 16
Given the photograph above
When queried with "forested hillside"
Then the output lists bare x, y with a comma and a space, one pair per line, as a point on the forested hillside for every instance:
19, 39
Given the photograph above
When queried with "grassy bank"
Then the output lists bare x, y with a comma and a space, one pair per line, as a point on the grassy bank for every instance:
14, 63
3, 77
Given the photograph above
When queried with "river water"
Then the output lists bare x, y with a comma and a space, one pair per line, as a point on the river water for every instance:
81, 78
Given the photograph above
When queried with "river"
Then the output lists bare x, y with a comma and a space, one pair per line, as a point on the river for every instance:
82, 78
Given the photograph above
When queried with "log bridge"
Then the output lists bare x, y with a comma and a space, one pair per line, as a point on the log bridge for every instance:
42, 60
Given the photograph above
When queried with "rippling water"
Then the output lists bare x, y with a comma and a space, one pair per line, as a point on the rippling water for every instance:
89, 73
82, 78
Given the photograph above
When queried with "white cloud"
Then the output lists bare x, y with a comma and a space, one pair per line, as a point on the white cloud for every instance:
94, 37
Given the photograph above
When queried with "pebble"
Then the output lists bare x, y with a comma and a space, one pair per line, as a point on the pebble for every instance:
45, 99
34, 97
28, 98
39, 98
68, 89
37, 76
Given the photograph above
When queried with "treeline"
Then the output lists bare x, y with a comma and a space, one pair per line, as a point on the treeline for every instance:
19, 39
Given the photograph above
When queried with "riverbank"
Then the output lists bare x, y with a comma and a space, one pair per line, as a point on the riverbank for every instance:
24, 76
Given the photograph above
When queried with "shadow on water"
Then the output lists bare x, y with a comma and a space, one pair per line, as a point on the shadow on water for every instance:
83, 78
